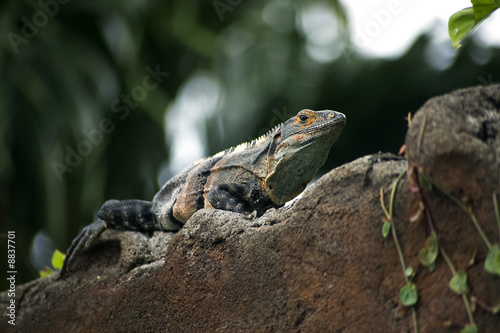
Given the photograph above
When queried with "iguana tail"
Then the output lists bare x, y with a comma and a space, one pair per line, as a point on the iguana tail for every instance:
126, 214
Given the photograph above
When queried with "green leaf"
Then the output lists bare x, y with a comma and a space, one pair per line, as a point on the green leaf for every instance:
465, 21
45, 272
469, 329
483, 9
432, 267
408, 294
492, 263
409, 272
460, 25
429, 253
386, 228
58, 259
458, 283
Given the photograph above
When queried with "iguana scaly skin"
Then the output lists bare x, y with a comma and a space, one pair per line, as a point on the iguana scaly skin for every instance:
250, 178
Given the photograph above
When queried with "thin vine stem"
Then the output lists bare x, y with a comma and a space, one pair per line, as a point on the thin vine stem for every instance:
466, 210
497, 213
393, 193
388, 215
464, 296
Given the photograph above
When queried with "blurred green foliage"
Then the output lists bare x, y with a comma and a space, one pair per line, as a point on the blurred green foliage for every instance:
69, 74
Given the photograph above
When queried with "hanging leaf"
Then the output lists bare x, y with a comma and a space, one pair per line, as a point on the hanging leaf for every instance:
408, 294
492, 263
409, 272
416, 213
469, 329
458, 283
484, 8
462, 23
429, 253
411, 173
386, 228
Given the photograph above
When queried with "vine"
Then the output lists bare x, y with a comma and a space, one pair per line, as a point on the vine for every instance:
428, 255
408, 294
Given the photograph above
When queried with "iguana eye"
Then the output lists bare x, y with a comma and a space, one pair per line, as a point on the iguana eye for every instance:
303, 117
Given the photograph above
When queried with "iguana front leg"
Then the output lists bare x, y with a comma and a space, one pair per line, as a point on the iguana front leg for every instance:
239, 198
229, 197
127, 214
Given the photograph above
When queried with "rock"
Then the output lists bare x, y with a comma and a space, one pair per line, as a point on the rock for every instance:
455, 138
318, 265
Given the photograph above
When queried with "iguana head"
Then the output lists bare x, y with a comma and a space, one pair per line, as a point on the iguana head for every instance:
302, 146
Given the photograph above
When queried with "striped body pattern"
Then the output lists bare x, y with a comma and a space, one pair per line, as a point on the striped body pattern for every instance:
249, 178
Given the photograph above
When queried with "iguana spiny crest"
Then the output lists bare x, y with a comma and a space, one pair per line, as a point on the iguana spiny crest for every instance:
251, 177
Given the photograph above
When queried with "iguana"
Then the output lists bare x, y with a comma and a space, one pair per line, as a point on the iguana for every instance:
249, 179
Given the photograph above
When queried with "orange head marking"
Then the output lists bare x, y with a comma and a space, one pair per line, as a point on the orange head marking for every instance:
305, 118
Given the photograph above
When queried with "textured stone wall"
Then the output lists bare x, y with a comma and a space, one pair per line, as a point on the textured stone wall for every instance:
318, 265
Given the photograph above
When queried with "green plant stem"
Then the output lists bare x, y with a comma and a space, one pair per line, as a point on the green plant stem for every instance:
388, 214
480, 230
448, 261
400, 251
382, 203
469, 310
393, 229
414, 316
466, 210
393, 193
464, 296
497, 213
421, 135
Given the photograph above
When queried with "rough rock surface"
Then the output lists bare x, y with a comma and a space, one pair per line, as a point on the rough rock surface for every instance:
318, 265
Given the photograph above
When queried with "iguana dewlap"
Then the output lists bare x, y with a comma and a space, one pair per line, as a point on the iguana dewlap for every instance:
252, 177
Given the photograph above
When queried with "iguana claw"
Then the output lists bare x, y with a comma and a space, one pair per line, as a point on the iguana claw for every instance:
83, 241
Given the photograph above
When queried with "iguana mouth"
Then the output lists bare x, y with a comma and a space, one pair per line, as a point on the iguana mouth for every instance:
319, 128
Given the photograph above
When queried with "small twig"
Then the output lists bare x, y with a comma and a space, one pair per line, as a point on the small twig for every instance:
481, 303
421, 135
497, 213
